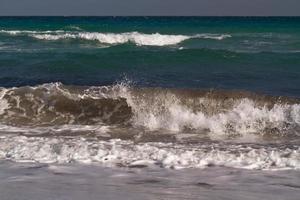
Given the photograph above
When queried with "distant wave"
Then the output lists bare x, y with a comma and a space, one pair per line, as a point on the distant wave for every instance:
74, 28
137, 38
140, 39
20, 32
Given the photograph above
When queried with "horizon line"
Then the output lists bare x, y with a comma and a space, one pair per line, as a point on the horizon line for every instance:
150, 16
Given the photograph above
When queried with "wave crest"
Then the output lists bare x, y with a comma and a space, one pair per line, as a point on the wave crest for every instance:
217, 113
140, 39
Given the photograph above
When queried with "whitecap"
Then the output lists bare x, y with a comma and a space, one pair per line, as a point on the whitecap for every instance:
137, 38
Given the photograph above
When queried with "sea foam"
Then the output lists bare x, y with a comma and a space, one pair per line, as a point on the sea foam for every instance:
3, 102
127, 153
140, 39
26, 32
219, 116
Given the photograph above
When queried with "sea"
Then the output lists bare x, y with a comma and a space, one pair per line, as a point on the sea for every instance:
138, 108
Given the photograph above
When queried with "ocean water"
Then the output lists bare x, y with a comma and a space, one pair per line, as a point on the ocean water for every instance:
178, 107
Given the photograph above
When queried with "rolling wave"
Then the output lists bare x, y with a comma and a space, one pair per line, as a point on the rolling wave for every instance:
217, 113
140, 39
24, 32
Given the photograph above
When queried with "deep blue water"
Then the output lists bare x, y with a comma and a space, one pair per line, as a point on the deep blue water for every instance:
247, 53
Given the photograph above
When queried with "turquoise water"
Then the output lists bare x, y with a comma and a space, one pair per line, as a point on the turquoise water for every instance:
247, 53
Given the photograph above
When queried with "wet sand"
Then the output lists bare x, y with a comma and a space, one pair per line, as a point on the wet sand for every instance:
20, 181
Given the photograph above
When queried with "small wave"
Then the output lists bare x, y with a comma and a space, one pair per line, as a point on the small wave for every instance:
75, 28
213, 36
140, 39
127, 153
26, 32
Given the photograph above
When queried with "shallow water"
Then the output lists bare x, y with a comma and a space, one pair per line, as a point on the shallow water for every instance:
77, 182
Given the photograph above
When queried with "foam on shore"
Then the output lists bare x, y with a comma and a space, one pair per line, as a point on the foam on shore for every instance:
129, 154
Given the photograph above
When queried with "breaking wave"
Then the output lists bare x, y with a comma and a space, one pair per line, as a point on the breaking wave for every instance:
140, 39
121, 125
218, 113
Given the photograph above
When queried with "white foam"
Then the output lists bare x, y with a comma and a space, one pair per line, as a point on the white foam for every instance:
155, 39
139, 39
3, 103
112, 38
127, 153
53, 37
22, 32
245, 117
212, 36
100, 130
